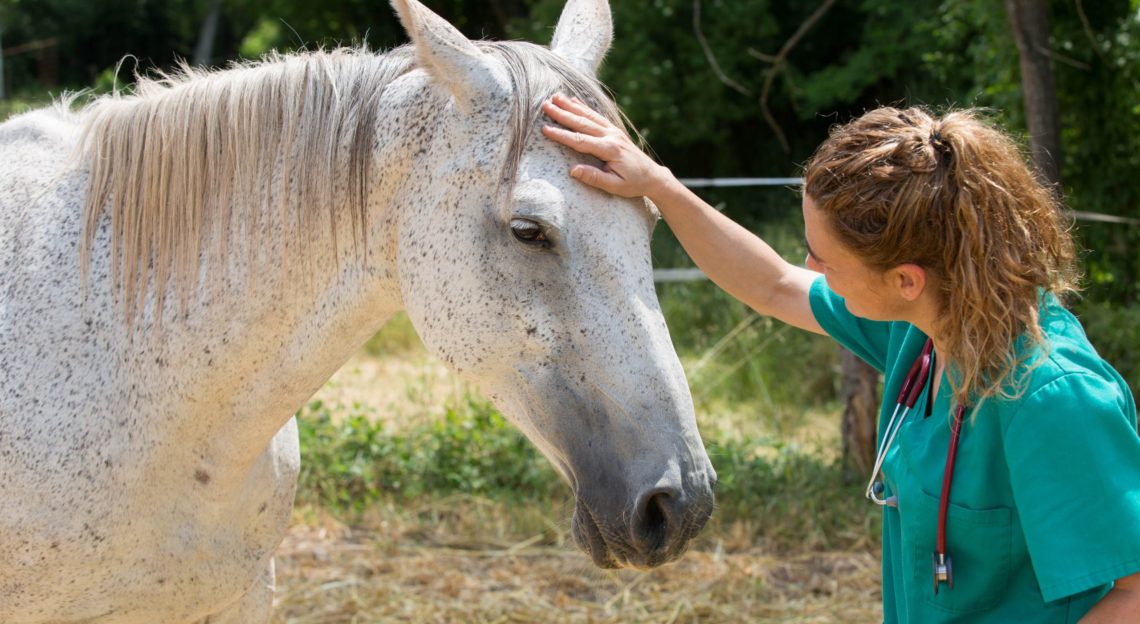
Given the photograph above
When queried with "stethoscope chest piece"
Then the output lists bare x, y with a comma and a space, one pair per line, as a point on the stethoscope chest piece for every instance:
943, 570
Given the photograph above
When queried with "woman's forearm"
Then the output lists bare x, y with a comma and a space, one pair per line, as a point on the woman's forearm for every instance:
734, 258
1119, 606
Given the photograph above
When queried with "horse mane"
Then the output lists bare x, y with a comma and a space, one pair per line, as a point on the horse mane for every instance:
201, 152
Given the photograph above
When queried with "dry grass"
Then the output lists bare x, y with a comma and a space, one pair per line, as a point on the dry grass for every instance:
466, 559
400, 391
407, 384
336, 574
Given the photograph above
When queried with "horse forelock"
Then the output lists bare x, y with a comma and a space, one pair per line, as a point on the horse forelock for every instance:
537, 73
196, 152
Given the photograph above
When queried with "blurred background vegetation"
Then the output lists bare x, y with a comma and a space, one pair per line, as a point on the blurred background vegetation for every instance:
719, 88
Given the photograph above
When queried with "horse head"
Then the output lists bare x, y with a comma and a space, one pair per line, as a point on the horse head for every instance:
540, 290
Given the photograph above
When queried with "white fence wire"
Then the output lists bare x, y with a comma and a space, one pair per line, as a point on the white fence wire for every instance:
665, 276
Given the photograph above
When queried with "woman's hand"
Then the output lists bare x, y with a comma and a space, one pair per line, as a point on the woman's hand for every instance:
733, 257
627, 171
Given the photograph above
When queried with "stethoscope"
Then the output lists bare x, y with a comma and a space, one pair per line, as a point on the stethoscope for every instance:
913, 384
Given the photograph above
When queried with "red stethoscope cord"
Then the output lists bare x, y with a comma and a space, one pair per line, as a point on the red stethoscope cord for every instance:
913, 384
943, 570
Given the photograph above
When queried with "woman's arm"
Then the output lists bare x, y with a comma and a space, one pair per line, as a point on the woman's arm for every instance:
734, 258
1118, 606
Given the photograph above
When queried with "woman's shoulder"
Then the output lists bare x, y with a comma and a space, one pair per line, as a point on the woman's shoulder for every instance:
1067, 349
1065, 373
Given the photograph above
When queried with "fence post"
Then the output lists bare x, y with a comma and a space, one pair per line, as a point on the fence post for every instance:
860, 412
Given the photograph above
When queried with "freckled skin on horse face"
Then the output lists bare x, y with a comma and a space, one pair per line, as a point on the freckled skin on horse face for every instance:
576, 352
148, 454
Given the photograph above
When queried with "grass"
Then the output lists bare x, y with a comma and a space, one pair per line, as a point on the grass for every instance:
456, 518
346, 575
418, 502
449, 515
766, 398
471, 464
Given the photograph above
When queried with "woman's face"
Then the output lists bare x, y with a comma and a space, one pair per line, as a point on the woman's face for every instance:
865, 289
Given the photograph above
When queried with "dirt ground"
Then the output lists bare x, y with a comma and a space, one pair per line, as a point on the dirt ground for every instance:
351, 575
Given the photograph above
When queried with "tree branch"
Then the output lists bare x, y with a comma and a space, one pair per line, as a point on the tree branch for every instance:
1089, 33
1061, 58
767, 58
709, 53
778, 63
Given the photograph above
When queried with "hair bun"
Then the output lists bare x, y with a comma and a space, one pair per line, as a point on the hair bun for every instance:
941, 146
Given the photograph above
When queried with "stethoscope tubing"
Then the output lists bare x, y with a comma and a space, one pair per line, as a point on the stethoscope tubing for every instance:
884, 445
912, 386
915, 381
948, 478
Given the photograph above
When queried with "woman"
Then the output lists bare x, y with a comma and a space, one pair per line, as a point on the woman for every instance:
932, 236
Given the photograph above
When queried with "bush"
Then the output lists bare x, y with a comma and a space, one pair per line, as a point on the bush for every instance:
1115, 332
350, 462
790, 498
733, 355
784, 495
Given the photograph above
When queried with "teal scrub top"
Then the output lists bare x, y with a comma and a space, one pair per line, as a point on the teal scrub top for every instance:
1045, 500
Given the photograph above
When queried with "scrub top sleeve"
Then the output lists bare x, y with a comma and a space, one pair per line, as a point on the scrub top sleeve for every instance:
867, 339
1074, 465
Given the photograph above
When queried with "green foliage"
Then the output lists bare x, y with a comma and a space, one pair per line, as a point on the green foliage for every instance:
1115, 332
17, 105
346, 463
970, 54
664, 81
93, 36
733, 355
396, 337
266, 35
789, 497
1101, 134
351, 463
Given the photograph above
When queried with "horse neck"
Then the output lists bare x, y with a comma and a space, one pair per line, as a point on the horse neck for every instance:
307, 314
249, 361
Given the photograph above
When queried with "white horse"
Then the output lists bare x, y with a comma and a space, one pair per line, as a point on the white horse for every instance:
182, 268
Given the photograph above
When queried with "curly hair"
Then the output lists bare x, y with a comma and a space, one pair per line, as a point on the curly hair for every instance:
955, 196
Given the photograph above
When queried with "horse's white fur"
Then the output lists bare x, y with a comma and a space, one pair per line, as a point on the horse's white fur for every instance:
147, 451
584, 34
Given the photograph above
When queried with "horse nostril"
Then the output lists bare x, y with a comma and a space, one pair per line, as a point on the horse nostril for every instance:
652, 522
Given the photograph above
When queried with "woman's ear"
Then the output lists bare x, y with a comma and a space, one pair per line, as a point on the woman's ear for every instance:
910, 280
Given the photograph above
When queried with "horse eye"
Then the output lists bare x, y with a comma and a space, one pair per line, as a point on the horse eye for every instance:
528, 231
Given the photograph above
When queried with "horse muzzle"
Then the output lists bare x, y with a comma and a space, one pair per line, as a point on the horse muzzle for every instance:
655, 529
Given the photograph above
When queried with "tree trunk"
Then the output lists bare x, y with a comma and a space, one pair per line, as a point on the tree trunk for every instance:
3, 94
204, 51
1030, 26
860, 412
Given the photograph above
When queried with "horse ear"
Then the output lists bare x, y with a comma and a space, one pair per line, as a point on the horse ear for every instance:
584, 33
449, 57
